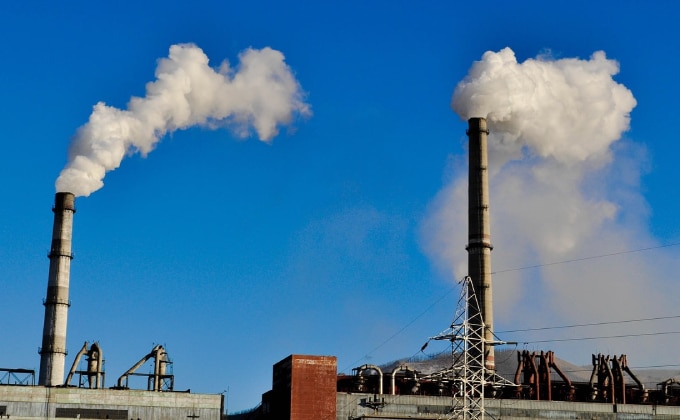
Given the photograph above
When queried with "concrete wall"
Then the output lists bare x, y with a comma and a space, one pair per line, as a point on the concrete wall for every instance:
37, 402
366, 406
523, 409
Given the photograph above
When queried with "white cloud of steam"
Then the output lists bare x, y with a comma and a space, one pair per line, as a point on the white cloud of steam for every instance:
262, 92
561, 189
569, 109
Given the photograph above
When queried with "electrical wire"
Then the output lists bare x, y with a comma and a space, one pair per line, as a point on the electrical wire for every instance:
390, 338
593, 257
601, 337
589, 324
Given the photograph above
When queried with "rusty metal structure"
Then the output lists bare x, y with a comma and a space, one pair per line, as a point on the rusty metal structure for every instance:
608, 384
53, 349
536, 379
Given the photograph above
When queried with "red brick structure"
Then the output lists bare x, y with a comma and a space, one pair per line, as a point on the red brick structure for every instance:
303, 388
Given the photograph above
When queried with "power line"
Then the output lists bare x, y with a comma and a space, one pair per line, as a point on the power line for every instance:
590, 324
405, 326
601, 337
593, 257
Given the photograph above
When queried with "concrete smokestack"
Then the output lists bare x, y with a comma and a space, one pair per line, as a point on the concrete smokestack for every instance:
479, 232
53, 350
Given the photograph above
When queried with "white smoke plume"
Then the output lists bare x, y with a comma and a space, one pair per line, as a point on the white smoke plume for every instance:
569, 109
563, 186
262, 92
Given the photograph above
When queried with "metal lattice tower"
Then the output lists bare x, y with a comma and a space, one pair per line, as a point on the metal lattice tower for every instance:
467, 370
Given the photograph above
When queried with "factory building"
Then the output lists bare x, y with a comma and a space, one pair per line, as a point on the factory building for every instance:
537, 389
55, 397
308, 387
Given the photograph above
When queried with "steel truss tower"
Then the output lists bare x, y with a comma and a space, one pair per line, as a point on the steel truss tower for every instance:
467, 350
468, 373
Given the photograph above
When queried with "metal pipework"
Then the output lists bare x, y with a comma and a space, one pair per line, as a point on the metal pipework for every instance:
479, 233
95, 367
364, 368
53, 350
394, 376
159, 376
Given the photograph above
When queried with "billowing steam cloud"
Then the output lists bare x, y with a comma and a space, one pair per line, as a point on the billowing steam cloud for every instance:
262, 93
569, 110
564, 186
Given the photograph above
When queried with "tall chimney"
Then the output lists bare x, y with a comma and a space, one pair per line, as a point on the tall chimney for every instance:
53, 350
479, 232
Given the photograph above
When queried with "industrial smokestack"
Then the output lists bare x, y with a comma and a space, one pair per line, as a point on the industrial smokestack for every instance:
479, 232
53, 350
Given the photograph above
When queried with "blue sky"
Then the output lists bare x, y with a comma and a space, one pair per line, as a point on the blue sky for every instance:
234, 253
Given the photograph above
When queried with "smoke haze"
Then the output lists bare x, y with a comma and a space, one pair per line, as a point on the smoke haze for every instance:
564, 186
261, 93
